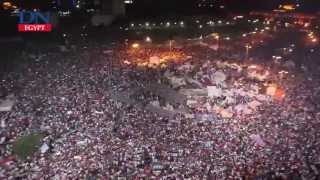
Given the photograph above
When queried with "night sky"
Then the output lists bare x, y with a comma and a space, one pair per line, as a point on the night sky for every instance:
191, 5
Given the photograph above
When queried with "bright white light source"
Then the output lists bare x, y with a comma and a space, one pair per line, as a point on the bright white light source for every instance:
210, 23
277, 57
148, 39
128, 1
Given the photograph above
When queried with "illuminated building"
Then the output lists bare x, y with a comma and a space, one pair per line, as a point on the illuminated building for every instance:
209, 4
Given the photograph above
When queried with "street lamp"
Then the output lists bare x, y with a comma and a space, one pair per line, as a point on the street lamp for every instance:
148, 39
217, 37
248, 47
170, 45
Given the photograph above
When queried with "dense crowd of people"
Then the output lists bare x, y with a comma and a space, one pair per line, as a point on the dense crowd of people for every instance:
87, 133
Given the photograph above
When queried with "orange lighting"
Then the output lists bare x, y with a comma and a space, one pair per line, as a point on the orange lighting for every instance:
215, 35
6, 4
275, 92
135, 45
279, 94
289, 7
